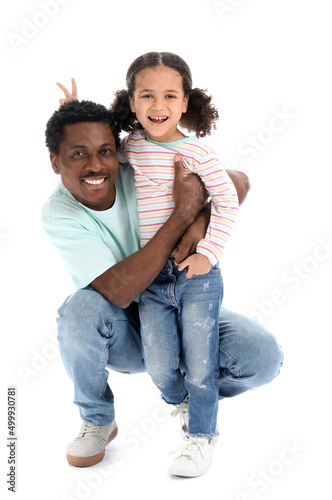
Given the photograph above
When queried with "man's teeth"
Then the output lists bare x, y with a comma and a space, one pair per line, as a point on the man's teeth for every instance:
94, 181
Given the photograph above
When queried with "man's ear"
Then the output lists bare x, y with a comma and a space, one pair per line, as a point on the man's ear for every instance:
132, 104
54, 163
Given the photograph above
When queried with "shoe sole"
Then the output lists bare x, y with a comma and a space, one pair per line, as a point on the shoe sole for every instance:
189, 473
94, 459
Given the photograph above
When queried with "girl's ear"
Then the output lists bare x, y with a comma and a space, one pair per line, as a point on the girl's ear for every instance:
185, 104
132, 104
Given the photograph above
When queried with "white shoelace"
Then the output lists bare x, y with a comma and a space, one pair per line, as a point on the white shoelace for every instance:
182, 411
192, 450
90, 429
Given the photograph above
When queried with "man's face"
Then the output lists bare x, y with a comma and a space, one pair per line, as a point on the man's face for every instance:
88, 164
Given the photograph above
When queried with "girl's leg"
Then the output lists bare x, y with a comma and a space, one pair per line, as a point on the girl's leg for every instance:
160, 337
199, 301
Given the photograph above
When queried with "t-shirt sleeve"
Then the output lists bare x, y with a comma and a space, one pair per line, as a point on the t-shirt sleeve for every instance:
83, 252
224, 207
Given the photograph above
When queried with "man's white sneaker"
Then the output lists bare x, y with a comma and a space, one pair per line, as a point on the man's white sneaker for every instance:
88, 448
194, 457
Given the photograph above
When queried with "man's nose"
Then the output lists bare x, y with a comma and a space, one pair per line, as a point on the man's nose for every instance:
94, 163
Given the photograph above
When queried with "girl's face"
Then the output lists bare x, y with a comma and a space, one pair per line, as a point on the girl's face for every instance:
159, 102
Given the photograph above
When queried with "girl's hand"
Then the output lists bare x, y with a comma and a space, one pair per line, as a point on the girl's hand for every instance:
196, 264
69, 96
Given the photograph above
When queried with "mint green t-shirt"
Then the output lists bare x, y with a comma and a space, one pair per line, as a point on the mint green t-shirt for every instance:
91, 241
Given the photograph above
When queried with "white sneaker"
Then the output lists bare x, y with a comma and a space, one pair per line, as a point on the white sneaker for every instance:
194, 457
88, 448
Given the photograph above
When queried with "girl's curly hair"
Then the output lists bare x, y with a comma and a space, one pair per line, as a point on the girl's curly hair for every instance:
201, 115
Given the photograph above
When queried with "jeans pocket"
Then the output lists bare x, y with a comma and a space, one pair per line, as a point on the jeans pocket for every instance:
215, 269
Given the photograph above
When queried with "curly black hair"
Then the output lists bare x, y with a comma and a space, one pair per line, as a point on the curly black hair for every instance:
77, 112
201, 115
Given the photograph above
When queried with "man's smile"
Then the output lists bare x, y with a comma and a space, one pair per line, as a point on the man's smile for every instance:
95, 182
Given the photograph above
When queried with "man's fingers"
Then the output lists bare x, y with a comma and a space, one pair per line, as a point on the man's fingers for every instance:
178, 169
73, 89
64, 89
183, 265
183, 251
69, 96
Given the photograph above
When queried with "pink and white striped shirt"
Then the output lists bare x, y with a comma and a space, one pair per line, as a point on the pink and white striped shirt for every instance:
153, 165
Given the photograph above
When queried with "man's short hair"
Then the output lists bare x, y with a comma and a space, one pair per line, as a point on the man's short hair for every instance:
77, 112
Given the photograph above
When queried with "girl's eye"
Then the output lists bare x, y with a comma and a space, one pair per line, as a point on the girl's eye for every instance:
170, 96
146, 96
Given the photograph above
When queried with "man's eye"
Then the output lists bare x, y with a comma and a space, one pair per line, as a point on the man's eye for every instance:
79, 154
106, 152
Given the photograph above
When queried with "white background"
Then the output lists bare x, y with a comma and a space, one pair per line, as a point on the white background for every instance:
257, 58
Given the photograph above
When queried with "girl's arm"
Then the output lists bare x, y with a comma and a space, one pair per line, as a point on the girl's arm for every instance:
224, 206
196, 232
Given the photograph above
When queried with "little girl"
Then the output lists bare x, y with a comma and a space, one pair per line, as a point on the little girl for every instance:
179, 311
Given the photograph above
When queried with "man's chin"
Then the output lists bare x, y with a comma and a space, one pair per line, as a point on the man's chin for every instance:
96, 199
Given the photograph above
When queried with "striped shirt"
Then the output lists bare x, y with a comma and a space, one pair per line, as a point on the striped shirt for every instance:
153, 165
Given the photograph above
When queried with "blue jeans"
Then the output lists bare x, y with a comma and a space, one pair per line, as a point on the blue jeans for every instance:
178, 314
94, 334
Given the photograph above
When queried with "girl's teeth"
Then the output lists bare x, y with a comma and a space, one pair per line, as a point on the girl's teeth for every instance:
158, 118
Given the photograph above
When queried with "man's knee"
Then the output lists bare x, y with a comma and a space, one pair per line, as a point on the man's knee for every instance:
81, 304
247, 349
266, 356
274, 357
79, 316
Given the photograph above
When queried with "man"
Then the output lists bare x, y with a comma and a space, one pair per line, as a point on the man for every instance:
92, 220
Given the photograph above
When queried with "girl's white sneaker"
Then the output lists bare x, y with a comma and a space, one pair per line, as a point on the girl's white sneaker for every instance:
194, 457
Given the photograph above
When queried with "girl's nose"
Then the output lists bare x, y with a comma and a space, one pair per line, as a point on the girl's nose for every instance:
157, 104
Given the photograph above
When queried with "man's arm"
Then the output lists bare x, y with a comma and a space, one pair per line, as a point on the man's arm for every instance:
241, 183
124, 281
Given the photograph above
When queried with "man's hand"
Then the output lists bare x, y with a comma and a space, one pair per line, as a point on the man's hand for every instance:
189, 193
194, 234
195, 264
69, 96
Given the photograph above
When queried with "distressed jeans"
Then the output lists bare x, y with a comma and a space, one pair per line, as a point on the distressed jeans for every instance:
178, 314
94, 335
